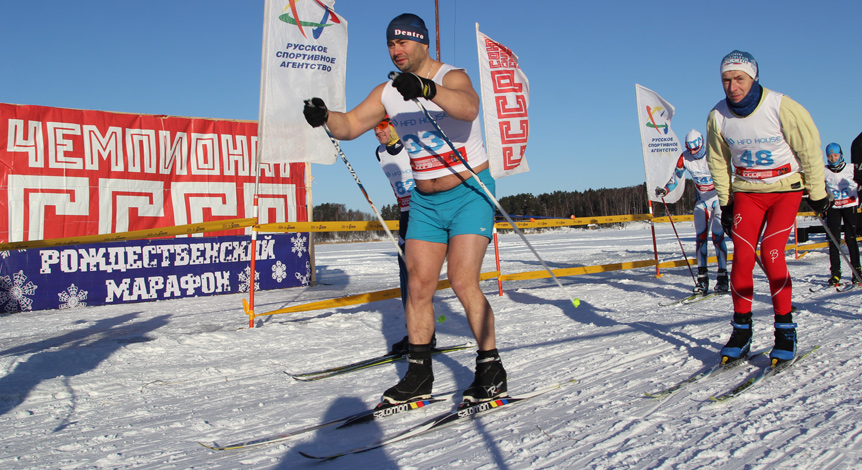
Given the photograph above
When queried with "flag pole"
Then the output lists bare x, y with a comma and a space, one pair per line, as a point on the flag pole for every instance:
437, 25
249, 306
654, 246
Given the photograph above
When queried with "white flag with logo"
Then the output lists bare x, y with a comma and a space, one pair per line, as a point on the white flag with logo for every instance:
304, 56
505, 99
661, 148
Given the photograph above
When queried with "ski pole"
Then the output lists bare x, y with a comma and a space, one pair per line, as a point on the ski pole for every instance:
362, 188
575, 301
687, 262
840, 251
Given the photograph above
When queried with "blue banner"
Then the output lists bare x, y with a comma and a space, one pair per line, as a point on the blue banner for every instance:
146, 270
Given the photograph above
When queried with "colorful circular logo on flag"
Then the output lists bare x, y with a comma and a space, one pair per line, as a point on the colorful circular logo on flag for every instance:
292, 17
653, 113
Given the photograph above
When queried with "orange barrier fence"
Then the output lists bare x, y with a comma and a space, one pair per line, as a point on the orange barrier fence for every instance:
393, 225
528, 275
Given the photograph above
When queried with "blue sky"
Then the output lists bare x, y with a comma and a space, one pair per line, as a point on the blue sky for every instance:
202, 58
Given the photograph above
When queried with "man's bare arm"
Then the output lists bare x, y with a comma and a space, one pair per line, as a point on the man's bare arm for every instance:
359, 120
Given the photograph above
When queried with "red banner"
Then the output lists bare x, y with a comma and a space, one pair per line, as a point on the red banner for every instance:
69, 172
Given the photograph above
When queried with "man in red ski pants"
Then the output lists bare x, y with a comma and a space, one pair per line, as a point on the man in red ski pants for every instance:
760, 142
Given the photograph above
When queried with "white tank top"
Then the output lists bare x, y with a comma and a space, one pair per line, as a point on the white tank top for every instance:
397, 170
760, 154
842, 187
430, 155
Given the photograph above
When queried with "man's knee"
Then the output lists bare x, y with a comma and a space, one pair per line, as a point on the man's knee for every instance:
464, 284
419, 287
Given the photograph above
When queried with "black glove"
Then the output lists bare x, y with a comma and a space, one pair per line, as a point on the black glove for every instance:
820, 206
660, 192
413, 86
727, 219
315, 112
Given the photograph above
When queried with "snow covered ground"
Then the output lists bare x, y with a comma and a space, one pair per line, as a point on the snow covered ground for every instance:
136, 386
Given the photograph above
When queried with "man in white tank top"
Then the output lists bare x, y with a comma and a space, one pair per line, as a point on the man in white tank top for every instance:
451, 218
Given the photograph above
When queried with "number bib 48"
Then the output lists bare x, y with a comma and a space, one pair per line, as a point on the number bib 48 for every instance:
760, 153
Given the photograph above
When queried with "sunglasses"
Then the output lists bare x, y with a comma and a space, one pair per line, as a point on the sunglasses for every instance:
383, 125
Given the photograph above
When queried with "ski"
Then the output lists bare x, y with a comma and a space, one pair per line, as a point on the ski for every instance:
704, 373
846, 286
383, 410
380, 411
464, 411
680, 301
824, 287
761, 375
694, 298
372, 362
704, 297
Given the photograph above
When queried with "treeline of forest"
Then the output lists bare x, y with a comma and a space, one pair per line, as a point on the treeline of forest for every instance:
558, 204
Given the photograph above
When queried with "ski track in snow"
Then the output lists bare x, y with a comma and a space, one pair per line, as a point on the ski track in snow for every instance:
137, 385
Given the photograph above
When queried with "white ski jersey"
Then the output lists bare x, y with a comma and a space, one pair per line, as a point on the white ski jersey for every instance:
400, 175
700, 175
841, 186
430, 155
760, 153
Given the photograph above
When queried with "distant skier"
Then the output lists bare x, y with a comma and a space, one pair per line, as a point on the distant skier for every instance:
840, 183
707, 212
395, 162
759, 143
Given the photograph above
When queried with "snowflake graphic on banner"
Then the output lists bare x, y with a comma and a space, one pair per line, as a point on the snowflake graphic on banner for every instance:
298, 245
279, 271
245, 280
307, 277
73, 297
7, 253
14, 291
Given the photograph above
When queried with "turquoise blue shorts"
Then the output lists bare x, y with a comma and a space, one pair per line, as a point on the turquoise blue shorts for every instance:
464, 209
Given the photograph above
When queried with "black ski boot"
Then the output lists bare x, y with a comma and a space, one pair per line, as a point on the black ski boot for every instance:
403, 347
739, 344
702, 285
785, 339
721, 282
417, 382
835, 279
490, 381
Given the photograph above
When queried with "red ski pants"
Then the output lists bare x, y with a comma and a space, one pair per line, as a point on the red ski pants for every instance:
771, 214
